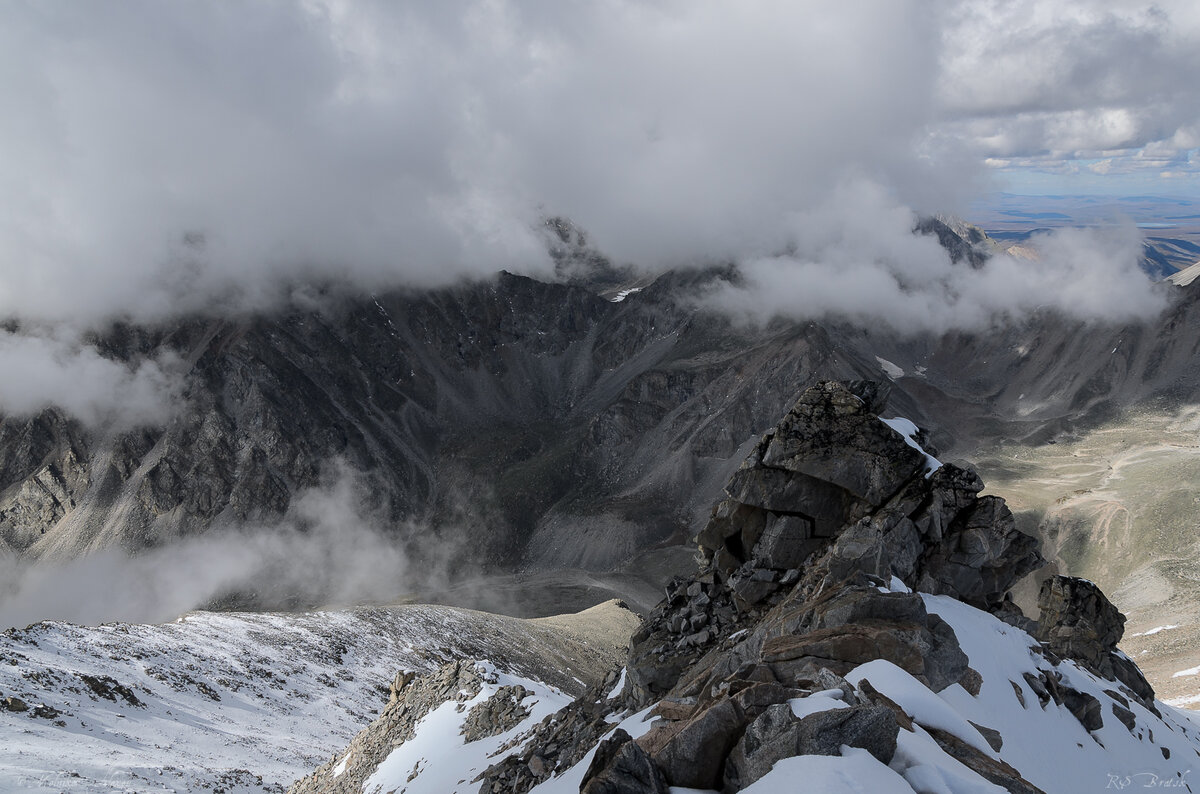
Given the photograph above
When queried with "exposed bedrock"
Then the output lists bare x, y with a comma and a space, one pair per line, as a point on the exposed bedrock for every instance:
751, 659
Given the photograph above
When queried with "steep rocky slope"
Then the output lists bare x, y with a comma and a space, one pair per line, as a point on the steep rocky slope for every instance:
547, 423
849, 624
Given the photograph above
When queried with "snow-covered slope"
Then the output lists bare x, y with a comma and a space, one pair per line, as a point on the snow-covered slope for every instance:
1004, 723
243, 702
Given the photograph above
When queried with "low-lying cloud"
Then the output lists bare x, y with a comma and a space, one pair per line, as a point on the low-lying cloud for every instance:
55, 370
857, 259
330, 549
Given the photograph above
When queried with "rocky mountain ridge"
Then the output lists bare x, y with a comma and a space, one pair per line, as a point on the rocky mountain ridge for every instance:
849, 621
247, 702
561, 427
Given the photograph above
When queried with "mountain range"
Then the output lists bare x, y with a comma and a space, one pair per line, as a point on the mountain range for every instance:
529, 425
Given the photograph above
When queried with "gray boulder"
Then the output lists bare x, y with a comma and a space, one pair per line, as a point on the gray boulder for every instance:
620, 766
832, 435
1078, 622
828, 462
980, 556
873, 728
767, 740
693, 754
14, 704
778, 734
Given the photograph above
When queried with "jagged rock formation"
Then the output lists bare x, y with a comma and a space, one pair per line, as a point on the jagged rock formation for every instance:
859, 650
836, 492
621, 766
410, 699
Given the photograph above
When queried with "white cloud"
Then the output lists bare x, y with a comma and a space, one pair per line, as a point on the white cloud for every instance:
856, 259
416, 143
164, 157
1025, 77
330, 548
51, 370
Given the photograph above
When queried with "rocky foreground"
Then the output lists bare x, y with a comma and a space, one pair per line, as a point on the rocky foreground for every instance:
849, 628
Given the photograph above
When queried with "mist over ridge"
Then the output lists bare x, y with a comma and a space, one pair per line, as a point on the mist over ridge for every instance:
166, 160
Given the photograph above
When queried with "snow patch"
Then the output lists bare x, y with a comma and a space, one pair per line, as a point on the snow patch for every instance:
889, 369
1154, 630
268, 693
817, 702
437, 760
908, 431
568, 782
854, 772
616, 690
1183, 702
918, 701
1049, 747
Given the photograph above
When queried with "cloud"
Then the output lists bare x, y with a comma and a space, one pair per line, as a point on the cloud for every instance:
330, 549
55, 370
856, 259
1063, 79
170, 157
165, 157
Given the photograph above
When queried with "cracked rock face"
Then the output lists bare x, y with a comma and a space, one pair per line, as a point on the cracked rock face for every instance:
832, 469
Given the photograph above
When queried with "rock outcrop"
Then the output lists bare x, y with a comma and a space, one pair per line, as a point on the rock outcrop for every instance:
1079, 622
834, 498
621, 766
410, 699
814, 626
806, 572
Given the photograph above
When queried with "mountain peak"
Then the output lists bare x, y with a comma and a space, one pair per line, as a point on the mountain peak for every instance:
848, 624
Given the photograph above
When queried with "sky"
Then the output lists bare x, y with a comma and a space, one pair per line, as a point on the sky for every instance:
161, 158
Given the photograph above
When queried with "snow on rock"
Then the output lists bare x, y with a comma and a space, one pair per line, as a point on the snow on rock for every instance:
617, 687
234, 701
623, 294
439, 759
889, 369
1046, 742
993, 741
908, 430
871, 657
917, 700
854, 772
